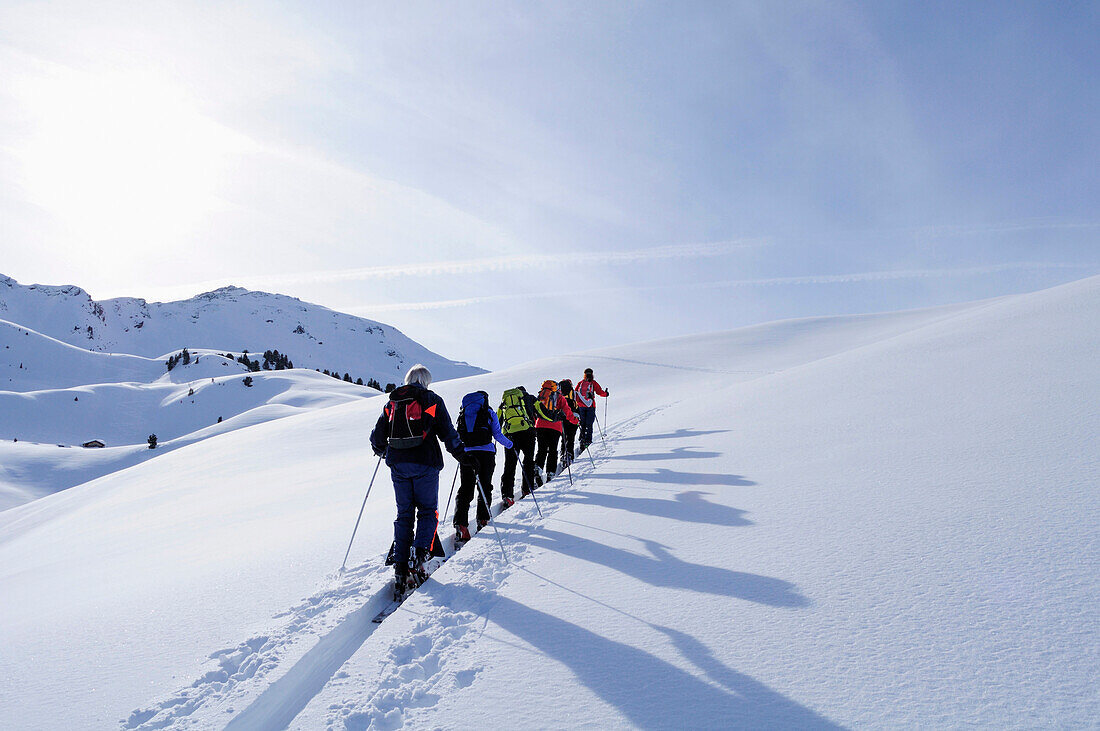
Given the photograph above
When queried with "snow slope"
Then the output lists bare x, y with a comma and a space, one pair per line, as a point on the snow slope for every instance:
230, 319
888, 520
41, 430
32, 361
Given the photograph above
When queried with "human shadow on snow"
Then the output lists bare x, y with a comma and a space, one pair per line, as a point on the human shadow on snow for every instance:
690, 506
678, 434
750, 689
648, 690
661, 568
674, 477
675, 453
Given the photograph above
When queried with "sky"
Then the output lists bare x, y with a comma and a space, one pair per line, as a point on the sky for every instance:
505, 181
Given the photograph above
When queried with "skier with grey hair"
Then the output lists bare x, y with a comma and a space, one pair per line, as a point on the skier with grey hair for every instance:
407, 434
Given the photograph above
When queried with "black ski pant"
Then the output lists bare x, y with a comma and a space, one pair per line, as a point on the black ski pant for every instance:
486, 463
523, 442
547, 457
587, 415
570, 433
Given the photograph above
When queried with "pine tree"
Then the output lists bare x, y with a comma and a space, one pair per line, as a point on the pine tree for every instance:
152, 441
248, 381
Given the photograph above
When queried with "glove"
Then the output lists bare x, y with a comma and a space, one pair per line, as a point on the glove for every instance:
606, 393
467, 459
378, 452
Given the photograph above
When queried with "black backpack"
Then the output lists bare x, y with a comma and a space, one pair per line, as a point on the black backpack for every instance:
566, 389
480, 434
409, 422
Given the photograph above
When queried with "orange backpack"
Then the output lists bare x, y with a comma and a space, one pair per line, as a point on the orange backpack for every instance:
548, 401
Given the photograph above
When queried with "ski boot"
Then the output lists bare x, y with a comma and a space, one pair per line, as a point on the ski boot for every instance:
481, 524
418, 566
462, 535
400, 582
507, 503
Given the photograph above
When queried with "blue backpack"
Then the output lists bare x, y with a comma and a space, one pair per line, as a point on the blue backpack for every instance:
473, 420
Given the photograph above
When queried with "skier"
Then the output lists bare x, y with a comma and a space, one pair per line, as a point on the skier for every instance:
569, 429
550, 409
406, 433
517, 421
586, 391
477, 427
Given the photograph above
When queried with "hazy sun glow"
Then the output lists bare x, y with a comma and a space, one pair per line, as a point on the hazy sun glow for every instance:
122, 159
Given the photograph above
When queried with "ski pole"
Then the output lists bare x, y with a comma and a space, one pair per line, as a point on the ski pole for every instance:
523, 476
452, 492
604, 411
568, 469
490, 509
364, 505
600, 427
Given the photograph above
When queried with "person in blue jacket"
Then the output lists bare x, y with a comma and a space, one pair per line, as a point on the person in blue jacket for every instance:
408, 432
478, 426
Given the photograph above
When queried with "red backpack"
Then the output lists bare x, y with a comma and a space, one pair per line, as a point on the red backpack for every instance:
409, 423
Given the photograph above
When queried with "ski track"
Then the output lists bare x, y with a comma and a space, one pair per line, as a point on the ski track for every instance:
234, 672
426, 664
264, 681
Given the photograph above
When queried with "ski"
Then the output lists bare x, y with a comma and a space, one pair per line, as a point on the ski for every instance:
389, 608
394, 604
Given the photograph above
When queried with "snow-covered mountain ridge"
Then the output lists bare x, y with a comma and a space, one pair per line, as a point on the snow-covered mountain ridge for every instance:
76, 371
880, 521
229, 319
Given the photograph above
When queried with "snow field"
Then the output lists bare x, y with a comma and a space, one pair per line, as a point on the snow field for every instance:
883, 521
123, 415
30, 361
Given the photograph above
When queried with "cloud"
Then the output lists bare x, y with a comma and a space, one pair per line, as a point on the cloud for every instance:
367, 310
483, 265
1039, 224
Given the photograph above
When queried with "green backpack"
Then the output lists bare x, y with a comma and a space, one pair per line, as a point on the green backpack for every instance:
513, 413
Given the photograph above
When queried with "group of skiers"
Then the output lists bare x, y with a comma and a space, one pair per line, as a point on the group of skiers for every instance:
415, 420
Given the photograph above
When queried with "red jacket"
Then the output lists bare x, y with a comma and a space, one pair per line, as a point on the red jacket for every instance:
586, 392
560, 404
